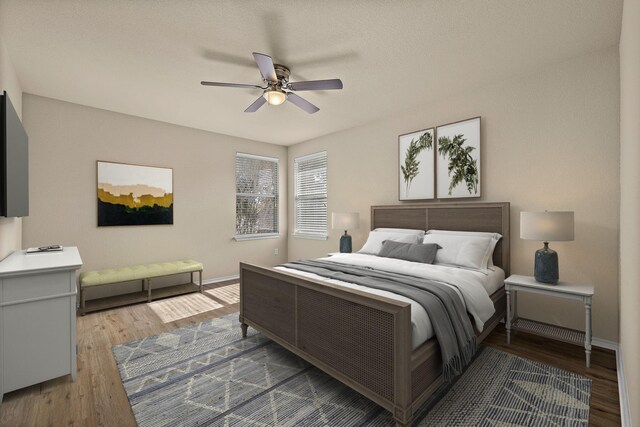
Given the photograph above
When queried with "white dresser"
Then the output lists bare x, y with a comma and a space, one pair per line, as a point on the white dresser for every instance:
37, 317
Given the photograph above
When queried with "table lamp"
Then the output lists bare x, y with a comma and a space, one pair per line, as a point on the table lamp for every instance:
546, 227
345, 221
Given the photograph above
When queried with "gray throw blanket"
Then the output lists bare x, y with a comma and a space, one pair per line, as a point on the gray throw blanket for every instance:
446, 311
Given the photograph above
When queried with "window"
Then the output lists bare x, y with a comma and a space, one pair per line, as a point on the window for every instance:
256, 196
310, 174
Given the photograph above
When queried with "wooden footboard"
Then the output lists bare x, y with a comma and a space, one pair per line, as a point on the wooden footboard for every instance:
360, 339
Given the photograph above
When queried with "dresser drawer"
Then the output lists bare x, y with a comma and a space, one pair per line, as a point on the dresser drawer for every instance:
19, 288
38, 341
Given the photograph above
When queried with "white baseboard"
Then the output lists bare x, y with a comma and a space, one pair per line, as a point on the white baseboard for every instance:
625, 413
220, 279
602, 343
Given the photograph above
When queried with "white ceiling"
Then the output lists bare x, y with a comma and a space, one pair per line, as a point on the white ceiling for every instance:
147, 58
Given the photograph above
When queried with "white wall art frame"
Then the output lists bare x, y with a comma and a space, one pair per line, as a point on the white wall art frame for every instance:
458, 159
416, 169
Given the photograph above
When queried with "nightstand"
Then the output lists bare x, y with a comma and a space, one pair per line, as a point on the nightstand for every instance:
566, 290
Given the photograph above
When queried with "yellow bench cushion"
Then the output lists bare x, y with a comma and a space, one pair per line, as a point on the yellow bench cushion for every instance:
137, 272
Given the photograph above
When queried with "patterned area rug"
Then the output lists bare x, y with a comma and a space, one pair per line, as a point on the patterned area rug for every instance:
206, 374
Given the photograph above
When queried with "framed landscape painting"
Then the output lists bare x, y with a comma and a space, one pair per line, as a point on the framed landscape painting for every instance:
417, 165
458, 159
134, 195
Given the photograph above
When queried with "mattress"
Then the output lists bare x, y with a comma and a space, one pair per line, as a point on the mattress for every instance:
473, 287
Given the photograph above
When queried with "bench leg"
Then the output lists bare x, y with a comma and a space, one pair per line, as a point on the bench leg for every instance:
82, 304
142, 285
200, 276
148, 290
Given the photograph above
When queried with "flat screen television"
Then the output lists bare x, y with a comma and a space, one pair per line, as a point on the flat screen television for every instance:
14, 162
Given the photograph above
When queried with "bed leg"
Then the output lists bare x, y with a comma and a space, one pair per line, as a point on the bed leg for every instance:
244, 328
403, 417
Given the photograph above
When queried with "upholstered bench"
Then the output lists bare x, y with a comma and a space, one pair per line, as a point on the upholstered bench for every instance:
145, 273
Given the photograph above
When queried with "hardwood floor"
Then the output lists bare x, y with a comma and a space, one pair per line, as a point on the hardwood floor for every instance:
605, 403
97, 398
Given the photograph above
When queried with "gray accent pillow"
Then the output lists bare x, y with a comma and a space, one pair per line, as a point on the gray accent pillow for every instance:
424, 253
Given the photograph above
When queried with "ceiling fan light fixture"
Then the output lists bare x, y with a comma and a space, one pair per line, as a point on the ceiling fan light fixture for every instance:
279, 89
275, 96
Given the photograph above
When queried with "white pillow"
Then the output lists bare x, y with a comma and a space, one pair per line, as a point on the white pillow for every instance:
495, 236
419, 233
467, 233
462, 250
402, 230
374, 242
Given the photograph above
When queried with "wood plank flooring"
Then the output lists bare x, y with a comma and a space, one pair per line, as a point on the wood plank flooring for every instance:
97, 398
605, 403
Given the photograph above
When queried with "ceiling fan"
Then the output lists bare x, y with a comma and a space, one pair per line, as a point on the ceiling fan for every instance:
278, 88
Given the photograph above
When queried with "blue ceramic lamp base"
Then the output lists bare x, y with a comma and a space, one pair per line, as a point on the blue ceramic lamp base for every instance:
546, 265
345, 243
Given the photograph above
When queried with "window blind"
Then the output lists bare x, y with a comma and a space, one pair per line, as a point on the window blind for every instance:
256, 195
310, 174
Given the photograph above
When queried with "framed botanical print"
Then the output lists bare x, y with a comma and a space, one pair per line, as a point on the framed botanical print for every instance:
458, 159
416, 155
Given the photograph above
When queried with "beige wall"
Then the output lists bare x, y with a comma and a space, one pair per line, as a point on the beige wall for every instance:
549, 141
66, 140
10, 228
630, 202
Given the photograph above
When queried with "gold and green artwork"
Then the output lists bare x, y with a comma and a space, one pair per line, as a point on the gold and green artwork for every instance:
134, 195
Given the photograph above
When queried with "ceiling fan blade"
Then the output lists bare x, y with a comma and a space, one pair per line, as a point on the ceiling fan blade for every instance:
302, 103
317, 85
256, 105
230, 85
265, 63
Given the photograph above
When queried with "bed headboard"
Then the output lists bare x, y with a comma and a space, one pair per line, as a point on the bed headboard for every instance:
488, 217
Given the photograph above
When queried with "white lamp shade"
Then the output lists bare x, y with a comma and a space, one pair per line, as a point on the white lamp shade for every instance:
547, 226
345, 221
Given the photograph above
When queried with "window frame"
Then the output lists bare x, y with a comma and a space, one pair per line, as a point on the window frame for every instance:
306, 234
257, 236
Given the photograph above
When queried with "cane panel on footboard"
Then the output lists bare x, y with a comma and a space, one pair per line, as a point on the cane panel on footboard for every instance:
355, 339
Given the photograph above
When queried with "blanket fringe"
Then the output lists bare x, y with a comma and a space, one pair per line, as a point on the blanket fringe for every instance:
455, 365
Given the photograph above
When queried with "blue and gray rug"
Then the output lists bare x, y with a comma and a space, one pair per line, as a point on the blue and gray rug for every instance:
206, 374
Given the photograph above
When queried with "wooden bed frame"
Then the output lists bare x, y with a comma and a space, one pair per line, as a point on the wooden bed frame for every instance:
361, 339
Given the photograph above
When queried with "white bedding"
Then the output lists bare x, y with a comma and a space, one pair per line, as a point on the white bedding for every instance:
474, 287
